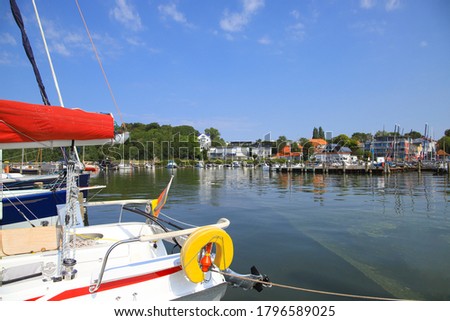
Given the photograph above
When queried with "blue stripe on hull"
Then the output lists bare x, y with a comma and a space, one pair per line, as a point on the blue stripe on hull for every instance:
41, 205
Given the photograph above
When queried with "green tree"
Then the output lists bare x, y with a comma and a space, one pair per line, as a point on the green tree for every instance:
302, 141
295, 147
315, 133
152, 126
321, 133
308, 150
444, 143
362, 137
382, 133
341, 140
413, 134
281, 142
214, 135
345, 141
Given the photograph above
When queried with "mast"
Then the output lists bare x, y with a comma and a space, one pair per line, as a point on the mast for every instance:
74, 151
48, 54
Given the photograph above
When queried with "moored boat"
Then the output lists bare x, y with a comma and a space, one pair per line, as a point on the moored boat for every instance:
122, 261
67, 260
172, 164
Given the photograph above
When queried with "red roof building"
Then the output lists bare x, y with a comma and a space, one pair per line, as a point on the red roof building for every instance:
287, 153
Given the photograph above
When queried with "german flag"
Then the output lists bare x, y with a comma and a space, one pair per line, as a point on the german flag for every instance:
158, 204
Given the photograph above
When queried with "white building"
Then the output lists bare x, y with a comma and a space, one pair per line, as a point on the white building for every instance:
239, 152
204, 141
234, 152
334, 154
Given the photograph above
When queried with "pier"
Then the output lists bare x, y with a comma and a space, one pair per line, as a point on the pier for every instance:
361, 169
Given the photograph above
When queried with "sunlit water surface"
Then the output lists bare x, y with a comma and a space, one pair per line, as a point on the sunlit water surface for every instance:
384, 236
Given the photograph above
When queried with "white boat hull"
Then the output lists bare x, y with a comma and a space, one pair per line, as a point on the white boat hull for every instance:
134, 271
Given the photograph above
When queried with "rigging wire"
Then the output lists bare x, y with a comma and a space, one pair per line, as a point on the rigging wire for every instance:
18, 201
177, 221
100, 63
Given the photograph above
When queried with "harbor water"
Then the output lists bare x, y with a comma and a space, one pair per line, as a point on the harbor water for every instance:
384, 236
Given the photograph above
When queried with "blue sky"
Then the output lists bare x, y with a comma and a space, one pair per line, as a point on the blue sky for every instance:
245, 67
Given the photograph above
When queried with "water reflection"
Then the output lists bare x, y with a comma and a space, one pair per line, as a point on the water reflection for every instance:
372, 235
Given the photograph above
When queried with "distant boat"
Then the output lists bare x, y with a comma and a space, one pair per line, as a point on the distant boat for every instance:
275, 167
172, 164
91, 168
16, 181
25, 169
124, 167
265, 167
106, 164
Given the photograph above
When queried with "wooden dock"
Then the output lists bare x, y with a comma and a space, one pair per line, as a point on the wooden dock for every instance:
356, 170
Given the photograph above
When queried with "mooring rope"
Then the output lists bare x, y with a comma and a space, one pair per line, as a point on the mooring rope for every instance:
354, 296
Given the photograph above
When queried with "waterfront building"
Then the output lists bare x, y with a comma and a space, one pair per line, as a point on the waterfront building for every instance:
392, 148
318, 144
228, 153
398, 148
261, 151
204, 141
286, 153
245, 151
333, 153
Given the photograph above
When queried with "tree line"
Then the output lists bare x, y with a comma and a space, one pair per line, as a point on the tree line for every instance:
155, 142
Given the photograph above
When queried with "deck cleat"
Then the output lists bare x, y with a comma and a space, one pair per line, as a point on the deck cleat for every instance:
254, 280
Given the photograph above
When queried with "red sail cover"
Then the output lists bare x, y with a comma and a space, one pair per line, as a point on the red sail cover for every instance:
33, 125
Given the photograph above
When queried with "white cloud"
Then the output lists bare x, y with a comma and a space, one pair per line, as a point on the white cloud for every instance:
51, 30
171, 11
236, 21
423, 44
62, 41
376, 27
392, 5
229, 37
75, 38
251, 6
134, 41
295, 14
367, 4
297, 30
68, 42
233, 22
7, 39
61, 49
5, 58
265, 41
125, 14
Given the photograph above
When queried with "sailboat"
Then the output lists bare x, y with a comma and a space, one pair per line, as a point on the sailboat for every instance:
123, 261
69, 261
